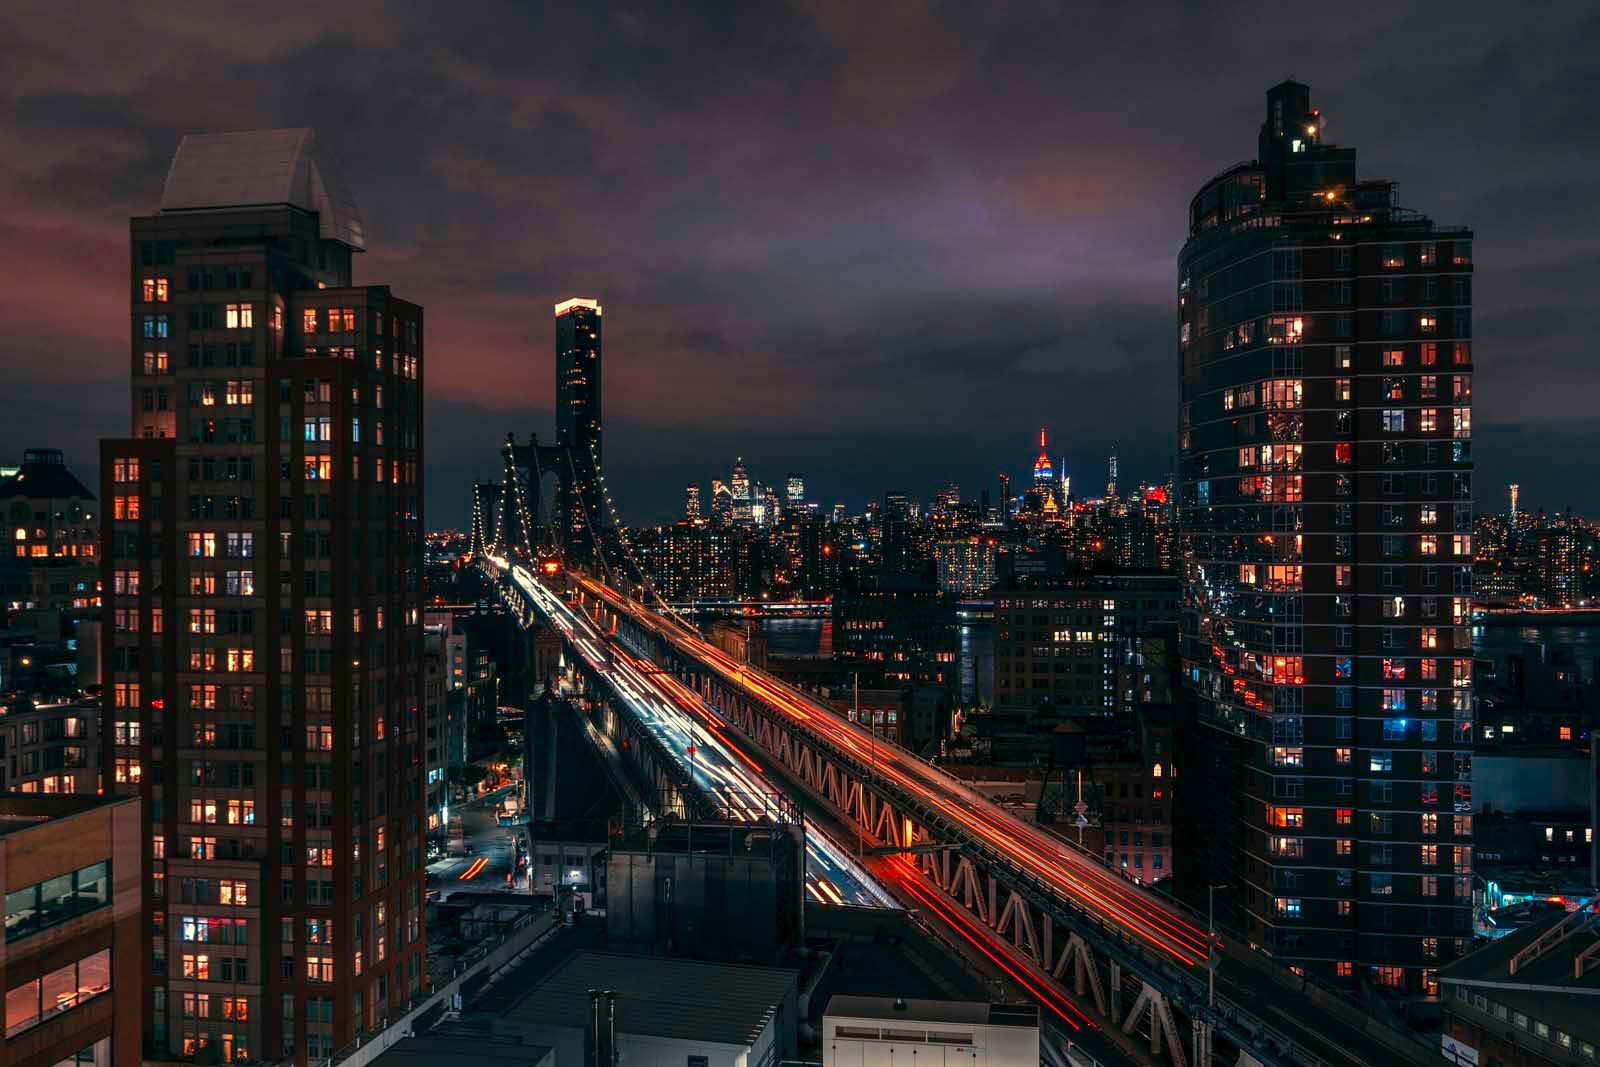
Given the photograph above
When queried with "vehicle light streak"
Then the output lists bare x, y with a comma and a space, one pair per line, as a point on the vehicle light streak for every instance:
699, 740
912, 881
473, 871
1079, 879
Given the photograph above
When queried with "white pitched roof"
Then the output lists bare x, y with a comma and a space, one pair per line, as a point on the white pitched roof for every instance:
255, 167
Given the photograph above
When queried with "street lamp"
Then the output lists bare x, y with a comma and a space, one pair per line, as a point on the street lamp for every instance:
1211, 941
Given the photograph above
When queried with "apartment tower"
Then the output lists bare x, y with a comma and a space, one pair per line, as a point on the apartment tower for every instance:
262, 620
1325, 365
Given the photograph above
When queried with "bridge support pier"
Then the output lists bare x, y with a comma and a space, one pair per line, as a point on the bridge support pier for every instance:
1114, 994
1202, 1043
1152, 1000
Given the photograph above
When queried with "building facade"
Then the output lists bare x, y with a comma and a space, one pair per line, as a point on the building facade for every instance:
1325, 436
1061, 640
71, 964
263, 619
49, 747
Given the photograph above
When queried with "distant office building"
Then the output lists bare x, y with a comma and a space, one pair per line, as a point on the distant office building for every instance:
739, 486
51, 523
72, 966
896, 549
1326, 525
899, 630
263, 616
721, 502
691, 502
578, 425
857, 1030
1059, 640
966, 565
795, 491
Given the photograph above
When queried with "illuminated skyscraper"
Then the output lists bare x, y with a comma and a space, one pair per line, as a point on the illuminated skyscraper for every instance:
739, 485
796, 491
1325, 522
1516, 491
691, 502
262, 623
1043, 473
578, 418
1111, 480
721, 502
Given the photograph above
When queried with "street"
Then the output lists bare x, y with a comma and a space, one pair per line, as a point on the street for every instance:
489, 855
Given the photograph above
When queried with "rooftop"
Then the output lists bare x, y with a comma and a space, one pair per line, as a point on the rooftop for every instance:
258, 168
43, 476
24, 811
971, 1012
460, 1044
658, 997
1548, 970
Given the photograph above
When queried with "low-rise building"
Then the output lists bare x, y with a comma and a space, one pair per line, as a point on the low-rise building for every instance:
667, 1012
73, 949
857, 1030
1530, 999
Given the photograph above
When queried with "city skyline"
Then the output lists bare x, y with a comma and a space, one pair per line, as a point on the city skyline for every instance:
965, 270
989, 518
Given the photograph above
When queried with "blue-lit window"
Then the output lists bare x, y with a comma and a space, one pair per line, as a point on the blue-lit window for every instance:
1341, 667
1381, 761
1430, 730
1394, 729
1382, 884
1203, 489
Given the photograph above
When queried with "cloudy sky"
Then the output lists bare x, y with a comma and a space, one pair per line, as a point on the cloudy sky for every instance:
875, 243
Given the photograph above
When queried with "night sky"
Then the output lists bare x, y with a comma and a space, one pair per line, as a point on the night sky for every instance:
877, 247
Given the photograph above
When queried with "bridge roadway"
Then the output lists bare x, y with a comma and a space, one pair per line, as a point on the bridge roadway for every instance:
692, 732
1254, 996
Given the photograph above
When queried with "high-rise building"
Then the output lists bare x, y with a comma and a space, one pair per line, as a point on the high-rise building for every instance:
1516, 491
721, 502
1111, 479
895, 547
1326, 517
691, 502
795, 491
578, 420
1044, 474
739, 486
262, 626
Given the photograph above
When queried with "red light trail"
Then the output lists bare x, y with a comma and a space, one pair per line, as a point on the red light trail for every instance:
1078, 878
